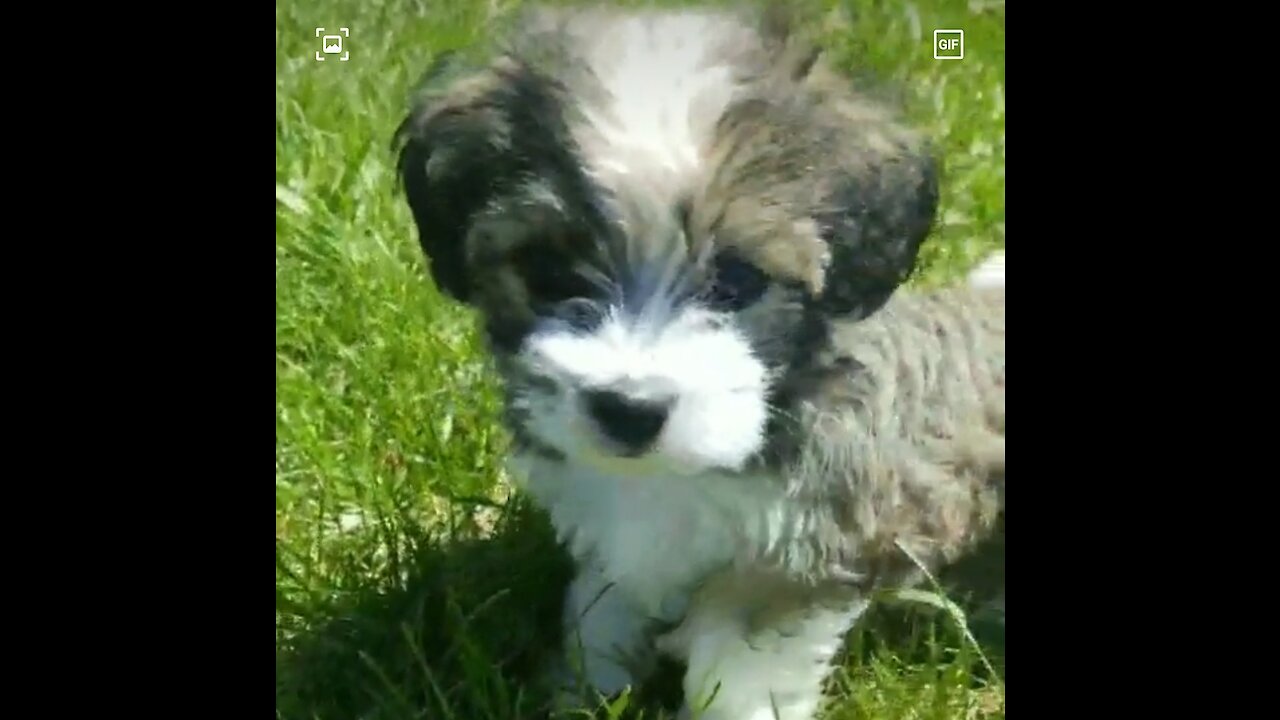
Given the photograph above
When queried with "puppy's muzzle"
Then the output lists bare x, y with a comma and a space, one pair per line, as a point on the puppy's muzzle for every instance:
632, 424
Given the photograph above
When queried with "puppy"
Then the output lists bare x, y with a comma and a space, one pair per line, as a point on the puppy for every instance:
683, 231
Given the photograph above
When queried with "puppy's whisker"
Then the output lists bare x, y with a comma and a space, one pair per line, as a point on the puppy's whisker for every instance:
777, 412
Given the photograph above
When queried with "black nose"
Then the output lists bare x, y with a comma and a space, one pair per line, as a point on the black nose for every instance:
631, 422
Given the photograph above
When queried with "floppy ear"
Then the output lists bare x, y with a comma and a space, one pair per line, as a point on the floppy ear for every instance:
443, 146
875, 222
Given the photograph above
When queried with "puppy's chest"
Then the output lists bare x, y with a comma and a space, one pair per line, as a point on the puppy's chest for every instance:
657, 537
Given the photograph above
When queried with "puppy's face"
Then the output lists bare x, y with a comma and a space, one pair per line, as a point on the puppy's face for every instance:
633, 346
629, 341
654, 248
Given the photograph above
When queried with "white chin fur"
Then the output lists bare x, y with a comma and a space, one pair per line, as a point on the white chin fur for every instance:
719, 416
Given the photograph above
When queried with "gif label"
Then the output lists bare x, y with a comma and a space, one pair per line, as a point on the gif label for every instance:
948, 44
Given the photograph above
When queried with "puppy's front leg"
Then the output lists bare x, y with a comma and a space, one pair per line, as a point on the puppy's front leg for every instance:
607, 641
752, 658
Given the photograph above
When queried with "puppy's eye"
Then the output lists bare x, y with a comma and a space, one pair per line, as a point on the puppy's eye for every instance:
579, 313
551, 277
736, 285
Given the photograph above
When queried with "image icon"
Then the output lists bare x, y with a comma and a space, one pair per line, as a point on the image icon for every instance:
332, 44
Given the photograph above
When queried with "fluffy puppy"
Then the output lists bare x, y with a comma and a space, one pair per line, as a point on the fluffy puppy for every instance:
681, 230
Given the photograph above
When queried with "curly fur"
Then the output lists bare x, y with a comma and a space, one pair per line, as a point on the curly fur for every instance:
897, 434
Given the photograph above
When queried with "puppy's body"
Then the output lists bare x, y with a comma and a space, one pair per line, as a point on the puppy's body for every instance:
895, 454
682, 230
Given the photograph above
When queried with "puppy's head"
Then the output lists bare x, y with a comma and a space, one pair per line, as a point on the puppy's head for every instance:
656, 216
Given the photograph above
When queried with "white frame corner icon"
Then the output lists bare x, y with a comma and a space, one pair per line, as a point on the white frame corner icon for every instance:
346, 54
936, 56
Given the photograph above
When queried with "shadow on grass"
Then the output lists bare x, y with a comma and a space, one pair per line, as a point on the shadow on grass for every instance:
458, 634
921, 634
463, 628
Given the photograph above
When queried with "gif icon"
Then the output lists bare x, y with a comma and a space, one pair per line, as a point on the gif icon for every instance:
948, 44
332, 45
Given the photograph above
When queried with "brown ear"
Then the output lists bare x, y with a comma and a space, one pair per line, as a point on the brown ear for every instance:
443, 144
476, 134
875, 223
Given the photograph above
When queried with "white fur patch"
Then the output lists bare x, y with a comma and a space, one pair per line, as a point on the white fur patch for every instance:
665, 94
718, 420
774, 674
651, 539
656, 535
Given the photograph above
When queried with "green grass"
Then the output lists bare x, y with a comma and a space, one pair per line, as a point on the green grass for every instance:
408, 583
